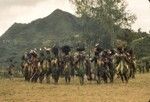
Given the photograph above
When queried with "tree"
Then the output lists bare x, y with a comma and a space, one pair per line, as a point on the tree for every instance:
108, 14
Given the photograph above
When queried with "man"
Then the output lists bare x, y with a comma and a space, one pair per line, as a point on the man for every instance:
46, 65
109, 62
97, 52
81, 63
10, 70
120, 55
47, 54
88, 68
66, 63
147, 66
33, 65
41, 55
55, 51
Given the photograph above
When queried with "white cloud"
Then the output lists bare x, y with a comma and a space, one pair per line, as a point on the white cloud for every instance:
142, 10
8, 3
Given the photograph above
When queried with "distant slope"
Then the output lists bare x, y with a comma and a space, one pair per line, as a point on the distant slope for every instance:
141, 46
53, 28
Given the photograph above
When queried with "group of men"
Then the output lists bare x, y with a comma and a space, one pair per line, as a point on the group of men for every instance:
100, 64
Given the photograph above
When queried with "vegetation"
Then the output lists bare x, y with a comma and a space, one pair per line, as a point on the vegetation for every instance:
107, 16
141, 47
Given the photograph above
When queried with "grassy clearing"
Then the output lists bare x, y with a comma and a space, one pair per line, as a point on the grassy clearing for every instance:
137, 90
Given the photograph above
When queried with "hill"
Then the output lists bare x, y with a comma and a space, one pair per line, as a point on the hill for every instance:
56, 27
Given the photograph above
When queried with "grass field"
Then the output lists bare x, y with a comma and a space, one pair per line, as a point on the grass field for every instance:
137, 90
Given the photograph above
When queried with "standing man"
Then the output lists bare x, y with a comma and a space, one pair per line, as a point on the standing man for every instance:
10, 70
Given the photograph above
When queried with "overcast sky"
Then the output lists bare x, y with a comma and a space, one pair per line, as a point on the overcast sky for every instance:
24, 11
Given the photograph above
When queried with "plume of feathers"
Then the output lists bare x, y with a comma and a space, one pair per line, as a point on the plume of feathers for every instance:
66, 49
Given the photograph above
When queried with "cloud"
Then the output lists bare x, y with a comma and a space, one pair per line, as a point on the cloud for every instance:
10, 3
142, 10
16, 11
